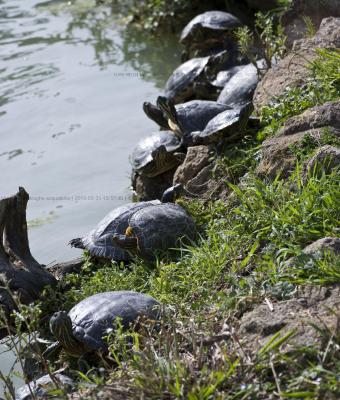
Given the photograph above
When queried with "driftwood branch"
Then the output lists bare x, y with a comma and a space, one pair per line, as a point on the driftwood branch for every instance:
61, 270
20, 274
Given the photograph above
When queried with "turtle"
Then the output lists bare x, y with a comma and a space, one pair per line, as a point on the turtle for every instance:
190, 116
241, 87
156, 230
99, 241
41, 386
207, 30
84, 328
215, 86
227, 126
180, 85
157, 153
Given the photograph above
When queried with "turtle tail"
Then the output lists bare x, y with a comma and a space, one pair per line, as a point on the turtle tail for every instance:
78, 243
168, 108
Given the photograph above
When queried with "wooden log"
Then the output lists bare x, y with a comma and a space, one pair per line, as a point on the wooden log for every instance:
20, 273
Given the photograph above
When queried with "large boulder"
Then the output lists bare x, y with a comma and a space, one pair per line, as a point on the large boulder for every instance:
199, 175
294, 20
292, 70
309, 306
323, 245
279, 153
325, 159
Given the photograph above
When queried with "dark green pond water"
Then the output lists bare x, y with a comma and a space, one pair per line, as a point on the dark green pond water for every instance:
72, 82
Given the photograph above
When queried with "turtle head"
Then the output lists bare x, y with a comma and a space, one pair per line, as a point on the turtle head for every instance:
155, 114
160, 152
61, 328
216, 63
174, 192
127, 241
60, 322
168, 108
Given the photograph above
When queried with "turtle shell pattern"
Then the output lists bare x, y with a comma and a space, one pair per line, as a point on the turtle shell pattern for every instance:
99, 241
161, 228
142, 157
94, 316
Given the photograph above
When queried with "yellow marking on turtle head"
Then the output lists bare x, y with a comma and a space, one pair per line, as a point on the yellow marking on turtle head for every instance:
174, 127
129, 231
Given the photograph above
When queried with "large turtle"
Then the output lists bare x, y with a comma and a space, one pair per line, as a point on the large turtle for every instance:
190, 116
84, 328
181, 84
156, 229
157, 154
208, 30
228, 126
241, 87
99, 241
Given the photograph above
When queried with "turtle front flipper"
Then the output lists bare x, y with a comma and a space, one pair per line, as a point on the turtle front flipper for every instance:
126, 242
77, 242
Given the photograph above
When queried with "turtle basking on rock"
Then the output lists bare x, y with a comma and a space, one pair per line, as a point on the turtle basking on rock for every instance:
215, 85
209, 30
180, 86
157, 154
228, 126
100, 241
241, 86
186, 117
84, 328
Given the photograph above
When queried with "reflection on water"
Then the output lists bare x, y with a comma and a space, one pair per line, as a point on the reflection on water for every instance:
72, 80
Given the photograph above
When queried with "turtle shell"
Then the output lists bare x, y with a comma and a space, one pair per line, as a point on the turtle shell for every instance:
41, 386
99, 241
161, 228
143, 157
195, 114
241, 87
94, 317
228, 125
210, 22
224, 76
179, 87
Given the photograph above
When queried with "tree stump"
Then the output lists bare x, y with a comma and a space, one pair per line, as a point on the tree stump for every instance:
20, 274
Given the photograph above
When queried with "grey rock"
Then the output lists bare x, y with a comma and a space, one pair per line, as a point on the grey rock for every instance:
325, 159
322, 245
293, 20
291, 71
277, 154
197, 158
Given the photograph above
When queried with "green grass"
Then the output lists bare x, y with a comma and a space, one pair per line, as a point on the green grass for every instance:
322, 85
240, 258
243, 255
